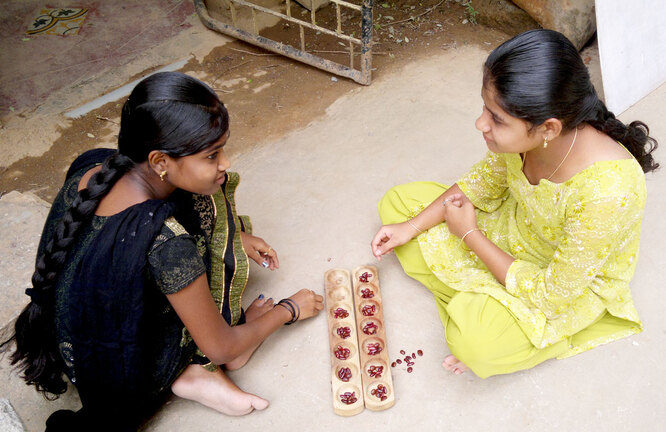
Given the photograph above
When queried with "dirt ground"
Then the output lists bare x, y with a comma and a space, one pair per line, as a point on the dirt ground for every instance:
267, 95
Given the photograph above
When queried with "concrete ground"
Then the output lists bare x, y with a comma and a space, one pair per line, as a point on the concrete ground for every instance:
312, 195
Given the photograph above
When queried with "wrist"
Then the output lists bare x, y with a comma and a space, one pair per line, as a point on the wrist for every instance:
469, 233
285, 313
414, 227
292, 307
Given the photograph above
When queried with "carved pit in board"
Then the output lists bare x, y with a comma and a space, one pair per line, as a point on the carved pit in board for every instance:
370, 310
339, 296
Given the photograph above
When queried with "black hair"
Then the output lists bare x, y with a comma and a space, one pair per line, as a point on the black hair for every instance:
539, 75
169, 111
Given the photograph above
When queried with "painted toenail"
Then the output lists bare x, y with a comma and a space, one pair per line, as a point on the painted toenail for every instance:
261, 296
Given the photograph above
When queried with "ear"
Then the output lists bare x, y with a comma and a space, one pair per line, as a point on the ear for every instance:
157, 161
550, 129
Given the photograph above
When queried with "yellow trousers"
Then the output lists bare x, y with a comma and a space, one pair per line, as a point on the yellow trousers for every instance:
480, 332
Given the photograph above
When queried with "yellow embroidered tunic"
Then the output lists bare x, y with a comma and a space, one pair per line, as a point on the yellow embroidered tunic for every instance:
575, 246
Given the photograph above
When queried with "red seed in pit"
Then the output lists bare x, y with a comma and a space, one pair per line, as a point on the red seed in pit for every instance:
380, 392
340, 313
344, 374
348, 398
365, 277
342, 353
393, 364
344, 332
409, 369
413, 355
419, 352
408, 359
402, 352
375, 371
374, 348
370, 328
398, 361
367, 293
410, 363
368, 310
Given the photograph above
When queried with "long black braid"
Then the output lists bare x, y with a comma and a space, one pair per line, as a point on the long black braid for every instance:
36, 353
635, 136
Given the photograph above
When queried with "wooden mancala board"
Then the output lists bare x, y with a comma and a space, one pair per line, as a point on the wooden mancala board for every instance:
360, 373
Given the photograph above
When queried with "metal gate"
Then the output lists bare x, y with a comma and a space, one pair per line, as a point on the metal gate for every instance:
359, 70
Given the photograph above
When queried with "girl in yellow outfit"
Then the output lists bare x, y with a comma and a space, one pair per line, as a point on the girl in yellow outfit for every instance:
530, 254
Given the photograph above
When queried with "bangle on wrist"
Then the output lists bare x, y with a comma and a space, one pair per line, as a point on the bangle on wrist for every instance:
292, 307
411, 224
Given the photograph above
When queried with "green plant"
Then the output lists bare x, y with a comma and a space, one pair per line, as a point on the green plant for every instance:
470, 11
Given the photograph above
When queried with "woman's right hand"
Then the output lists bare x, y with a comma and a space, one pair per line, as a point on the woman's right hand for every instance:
391, 236
309, 302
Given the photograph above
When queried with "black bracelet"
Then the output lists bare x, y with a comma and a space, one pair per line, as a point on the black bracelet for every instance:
295, 306
292, 307
291, 310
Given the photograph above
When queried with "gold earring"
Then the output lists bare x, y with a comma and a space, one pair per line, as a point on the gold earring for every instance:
545, 142
162, 175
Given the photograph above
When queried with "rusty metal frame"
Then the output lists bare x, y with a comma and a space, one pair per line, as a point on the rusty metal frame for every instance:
362, 75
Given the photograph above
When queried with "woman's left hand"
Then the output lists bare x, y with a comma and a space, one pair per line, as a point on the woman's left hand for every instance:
260, 252
460, 215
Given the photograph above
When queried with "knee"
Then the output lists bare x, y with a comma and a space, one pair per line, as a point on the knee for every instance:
390, 206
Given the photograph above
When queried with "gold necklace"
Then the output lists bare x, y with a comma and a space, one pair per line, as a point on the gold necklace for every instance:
524, 156
565, 156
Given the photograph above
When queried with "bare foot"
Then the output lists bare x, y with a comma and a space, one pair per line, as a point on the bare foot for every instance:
256, 309
215, 390
454, 365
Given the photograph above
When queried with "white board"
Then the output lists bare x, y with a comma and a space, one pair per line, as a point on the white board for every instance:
632, 49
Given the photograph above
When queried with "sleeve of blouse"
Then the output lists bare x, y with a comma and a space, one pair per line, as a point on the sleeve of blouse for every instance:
485, 184
595, 231
175, 263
